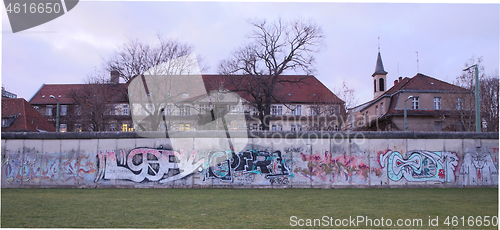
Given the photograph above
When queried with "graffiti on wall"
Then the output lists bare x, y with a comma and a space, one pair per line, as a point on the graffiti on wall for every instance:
474, 167
419, 165
478, 168
147, 164
35, 168
343, 168
227, 166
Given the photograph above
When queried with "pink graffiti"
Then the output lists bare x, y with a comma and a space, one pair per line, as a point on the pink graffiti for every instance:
341, 167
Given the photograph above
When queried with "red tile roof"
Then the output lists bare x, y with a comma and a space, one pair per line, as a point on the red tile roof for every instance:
419, 82
63, 93
308, 90
26, 118
292, 88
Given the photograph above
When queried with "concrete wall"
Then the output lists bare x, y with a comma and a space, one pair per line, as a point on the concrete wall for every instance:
269, 160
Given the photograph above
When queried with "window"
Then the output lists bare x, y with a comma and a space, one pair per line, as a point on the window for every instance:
381, 108
48, 111
111, 109
169, 110
297, 110
149, 108
280, 127
414, 103
273, 128
332, 110
4, 123
203, 109
381, 84
274, 110
292, 128
64, 110
181, 110
314, 110
184, 127
187, 108
260, 126
125, 110
254, 126
459, 104
63, 128
280, 109
255, 111
299, 128
374, 85
78, 127
437, 103
124, 127
376, 110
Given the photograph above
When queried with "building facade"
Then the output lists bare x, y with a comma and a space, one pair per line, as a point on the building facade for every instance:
431, 105
301, 103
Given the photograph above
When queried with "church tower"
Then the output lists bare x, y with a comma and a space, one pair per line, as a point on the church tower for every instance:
379, 81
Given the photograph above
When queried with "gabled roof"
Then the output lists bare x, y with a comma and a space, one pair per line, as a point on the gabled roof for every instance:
23, 117
419, 82
379, 67
63, 93
423, 82
291, 89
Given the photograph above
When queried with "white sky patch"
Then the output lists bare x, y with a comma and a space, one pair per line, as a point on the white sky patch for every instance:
68, 48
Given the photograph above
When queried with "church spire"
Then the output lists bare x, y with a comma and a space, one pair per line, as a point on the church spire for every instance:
379, 68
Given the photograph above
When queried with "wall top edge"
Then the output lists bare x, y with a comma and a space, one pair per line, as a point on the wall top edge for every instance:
254, 134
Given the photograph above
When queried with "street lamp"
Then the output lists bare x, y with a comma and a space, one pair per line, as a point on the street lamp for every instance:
476, 69
57, 114
406, 123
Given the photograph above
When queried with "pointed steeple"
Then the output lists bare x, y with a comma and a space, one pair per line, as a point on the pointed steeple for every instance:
379, 68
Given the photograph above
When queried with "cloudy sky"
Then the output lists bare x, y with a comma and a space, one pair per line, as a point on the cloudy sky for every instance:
67, 49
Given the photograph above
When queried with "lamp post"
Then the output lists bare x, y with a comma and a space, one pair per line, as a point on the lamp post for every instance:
476, 70
57, 114
406, 123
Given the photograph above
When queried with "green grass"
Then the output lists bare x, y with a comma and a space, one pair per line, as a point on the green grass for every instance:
234, 208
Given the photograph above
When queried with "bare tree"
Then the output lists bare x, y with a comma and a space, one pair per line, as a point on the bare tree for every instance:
275, 49
348, 95
488, 94
488, 88
135, 58
93, 99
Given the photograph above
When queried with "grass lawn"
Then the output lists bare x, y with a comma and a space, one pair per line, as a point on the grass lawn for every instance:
239, 208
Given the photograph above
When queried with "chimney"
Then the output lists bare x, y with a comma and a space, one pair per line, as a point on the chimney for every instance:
115, 77
395, 82
400, 78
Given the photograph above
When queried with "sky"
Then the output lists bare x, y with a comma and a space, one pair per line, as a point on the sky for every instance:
445, 35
